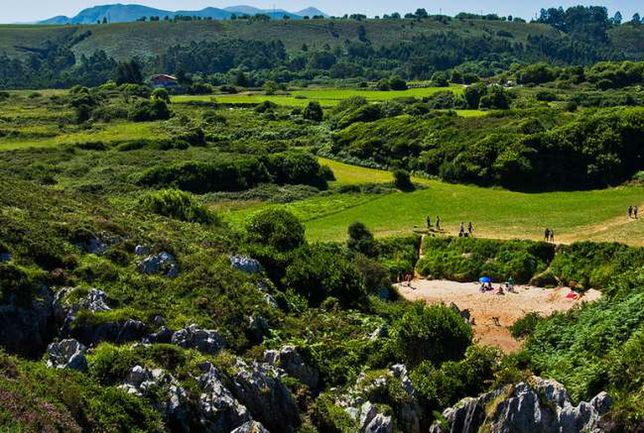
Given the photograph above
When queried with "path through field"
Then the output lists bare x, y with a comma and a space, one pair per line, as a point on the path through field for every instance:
484, 307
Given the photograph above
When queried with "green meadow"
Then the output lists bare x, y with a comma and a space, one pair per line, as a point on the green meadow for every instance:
496, 213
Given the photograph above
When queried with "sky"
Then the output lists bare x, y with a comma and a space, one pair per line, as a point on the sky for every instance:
34, 10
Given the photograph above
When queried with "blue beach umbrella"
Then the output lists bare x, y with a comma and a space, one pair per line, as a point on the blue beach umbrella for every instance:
485, 279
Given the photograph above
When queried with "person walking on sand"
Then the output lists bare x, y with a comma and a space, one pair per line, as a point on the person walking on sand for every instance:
635, 212
461, 230
470, 229
546, 235
630, 212
552, 236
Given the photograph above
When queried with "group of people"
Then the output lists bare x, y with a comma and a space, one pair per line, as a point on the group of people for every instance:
549, 235
470, 230
438, 222
632, 212
508, 286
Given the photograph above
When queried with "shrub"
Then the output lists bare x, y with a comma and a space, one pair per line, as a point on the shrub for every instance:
313, 111
296, 168
525, 326
177, 204
402, 181
435, 333
276, 228
319, 271
147, 111
361, 240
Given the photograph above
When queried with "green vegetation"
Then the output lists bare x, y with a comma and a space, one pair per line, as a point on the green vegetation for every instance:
275, 195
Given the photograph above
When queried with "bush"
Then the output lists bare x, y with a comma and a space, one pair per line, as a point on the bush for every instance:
320, 271
180, 205
276, 228
313, 111
435, 333
525, 326
147, 111
361, 240
402, 181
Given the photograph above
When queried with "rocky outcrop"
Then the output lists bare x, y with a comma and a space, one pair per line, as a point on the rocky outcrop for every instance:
221, 411
246, 264
260, 389
164, 392
115, 332
95, 301
289, 360
162, 336
251, 427
163, 264
204, 340
536, 406
258, 328
27, 329
67, 354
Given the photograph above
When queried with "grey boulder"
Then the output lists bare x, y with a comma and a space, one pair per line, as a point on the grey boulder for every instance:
204, 340
289, 360
67, 354
163, 263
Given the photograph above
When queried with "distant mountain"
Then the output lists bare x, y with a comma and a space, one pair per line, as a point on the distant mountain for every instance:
119, 13
311, 12
251, 10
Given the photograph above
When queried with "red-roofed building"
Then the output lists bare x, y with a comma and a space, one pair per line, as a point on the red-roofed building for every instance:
164, 80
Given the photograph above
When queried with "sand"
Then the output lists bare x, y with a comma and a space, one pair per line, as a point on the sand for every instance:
484, 306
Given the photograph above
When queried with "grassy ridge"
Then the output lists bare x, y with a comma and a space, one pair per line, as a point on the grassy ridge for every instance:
126, 40
498, 213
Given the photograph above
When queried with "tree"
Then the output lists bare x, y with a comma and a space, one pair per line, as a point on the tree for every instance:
439, 79
473, 94
636, 20
241, 79
270, 87
436, 334
361, 240
421, 13
397, 83
362, 34
617, 19
161, 94
129, 73
495, 98
313, 111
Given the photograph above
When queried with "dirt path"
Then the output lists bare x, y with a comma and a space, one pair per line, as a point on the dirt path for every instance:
485, 306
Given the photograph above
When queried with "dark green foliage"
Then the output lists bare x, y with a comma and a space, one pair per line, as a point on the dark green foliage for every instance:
313, 111
310, 275
594, 265
202, 177
129, 73
147, 111
361, 240
296, 168
525, 326
435, 334
178, 204
402, 180
441, 387
278, 229
18, 285
467, 259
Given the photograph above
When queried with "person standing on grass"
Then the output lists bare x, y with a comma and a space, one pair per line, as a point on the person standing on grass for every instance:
438, 223
429, 222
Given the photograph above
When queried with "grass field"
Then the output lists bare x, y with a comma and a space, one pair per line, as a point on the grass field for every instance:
496, 213
327, 97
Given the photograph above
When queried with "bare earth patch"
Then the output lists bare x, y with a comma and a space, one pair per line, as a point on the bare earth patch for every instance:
483, 307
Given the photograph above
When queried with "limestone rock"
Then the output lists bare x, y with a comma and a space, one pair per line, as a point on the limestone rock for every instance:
259, 388
293, 364
204, 340
245, 264
220, 410
251, 427
96, 300
163, 263
67, 354
540, 405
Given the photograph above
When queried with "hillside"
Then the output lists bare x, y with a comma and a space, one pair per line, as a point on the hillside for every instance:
126, 40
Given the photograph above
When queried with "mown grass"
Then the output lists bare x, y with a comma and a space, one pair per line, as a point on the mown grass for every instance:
327, 97
495, 213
